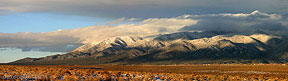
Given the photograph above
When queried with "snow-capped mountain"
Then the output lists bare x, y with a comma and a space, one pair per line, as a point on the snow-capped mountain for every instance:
180, 47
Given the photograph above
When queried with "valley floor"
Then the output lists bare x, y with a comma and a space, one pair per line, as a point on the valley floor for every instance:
145, 72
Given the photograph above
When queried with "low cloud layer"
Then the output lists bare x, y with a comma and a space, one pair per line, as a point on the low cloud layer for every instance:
140, 8
95, 34
238, 22
152, 26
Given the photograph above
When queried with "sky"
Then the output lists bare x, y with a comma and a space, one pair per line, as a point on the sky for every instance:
49, 25
51, 15
42, 22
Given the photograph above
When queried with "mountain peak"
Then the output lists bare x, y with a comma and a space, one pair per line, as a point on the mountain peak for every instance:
181, 46
256, 12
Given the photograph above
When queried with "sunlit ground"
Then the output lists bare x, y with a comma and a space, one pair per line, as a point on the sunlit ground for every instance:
213, 72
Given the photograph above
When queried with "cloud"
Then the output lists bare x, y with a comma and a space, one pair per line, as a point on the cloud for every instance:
145, 27
39, 41
141, 8
35, 39
238, 22
93, 34
115, 22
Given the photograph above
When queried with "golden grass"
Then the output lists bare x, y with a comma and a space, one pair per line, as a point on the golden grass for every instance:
147, 73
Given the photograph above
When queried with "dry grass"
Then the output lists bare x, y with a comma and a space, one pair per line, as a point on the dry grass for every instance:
136, 73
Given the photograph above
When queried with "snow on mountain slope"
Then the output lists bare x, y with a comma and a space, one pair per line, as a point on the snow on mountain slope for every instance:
205, 44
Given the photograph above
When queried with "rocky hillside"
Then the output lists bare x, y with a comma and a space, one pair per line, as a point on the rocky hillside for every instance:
176, 48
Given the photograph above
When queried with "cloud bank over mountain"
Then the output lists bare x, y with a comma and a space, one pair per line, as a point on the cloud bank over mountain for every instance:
141, 8
152, 26
241, 22
94, 34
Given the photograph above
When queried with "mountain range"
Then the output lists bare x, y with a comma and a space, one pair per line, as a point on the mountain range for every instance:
185, 47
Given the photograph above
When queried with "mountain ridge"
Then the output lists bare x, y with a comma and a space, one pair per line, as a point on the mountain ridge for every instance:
175, 48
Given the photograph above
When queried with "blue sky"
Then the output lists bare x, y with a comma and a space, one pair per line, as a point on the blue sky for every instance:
41, 22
